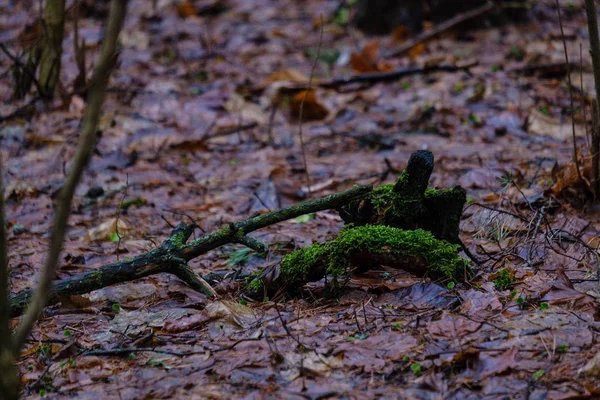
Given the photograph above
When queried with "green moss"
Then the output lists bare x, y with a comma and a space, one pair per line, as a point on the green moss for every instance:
254, 283
381, 196
178, 239
297, 266
336, 256
440, 256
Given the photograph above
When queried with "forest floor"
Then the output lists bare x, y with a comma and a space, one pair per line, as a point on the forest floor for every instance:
188, 134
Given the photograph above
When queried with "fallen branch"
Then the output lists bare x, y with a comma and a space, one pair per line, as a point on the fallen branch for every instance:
444, 26
374, 77
173, 254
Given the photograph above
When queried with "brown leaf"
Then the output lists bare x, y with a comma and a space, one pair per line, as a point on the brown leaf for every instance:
312, 109
186, 9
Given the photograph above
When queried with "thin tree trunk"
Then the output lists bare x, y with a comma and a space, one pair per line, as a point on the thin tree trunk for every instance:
54, 28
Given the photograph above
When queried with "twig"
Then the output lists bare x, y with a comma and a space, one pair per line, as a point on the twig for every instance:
301, 112
562, 33
374, 77
174, 252
444, 26
80, 161
118, 215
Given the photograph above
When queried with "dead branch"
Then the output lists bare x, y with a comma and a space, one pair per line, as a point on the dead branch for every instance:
374, 77
444, 26
173, 254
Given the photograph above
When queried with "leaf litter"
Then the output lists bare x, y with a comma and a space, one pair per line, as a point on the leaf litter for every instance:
201, 122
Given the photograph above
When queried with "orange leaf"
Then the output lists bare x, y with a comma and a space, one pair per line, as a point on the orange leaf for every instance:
416, 50
186, 9
360, 64
366, 61
400, 34
312, 109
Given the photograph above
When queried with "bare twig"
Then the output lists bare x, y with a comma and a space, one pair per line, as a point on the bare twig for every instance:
562, 33
301, 113
374, 77
81, 159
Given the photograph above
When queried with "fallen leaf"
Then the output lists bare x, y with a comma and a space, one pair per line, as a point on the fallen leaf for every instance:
106, 231
312, 110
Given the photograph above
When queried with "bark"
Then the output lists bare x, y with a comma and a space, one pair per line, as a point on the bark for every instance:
54, 28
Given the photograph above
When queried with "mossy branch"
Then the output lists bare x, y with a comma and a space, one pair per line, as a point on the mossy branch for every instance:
174, 253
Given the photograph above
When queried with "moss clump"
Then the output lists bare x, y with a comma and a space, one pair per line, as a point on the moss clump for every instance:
335, 257
298, 266
441, 257
381, 197
254, 283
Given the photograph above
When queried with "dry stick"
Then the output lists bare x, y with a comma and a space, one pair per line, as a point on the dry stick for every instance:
595, 149
173, 254
82, 156
590, 8
301, 112
444, 26
583, 96
562, 34
374, 77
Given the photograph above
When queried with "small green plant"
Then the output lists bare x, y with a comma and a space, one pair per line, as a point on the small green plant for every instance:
406, 358
358, 336
451, 285
342, 16
68, 363
240, 257
506, 179
544, 110
494, 68
116, 307
131, 356
115, 237
45, 350
244, 302
266, 299
138, 201
504, 279
67, 333
562, 348
520, 301
397, 327
328, 56
513, 294
459, 87
517, 53
475, 119
538, 374
406, 85
544, 306
304, 218
416, 369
